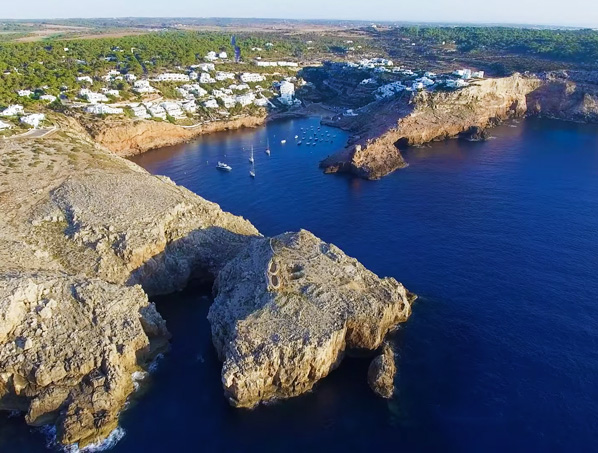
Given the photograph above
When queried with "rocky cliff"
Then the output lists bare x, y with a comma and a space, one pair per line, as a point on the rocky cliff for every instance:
130, 137
287, 308
85, 236
436, 116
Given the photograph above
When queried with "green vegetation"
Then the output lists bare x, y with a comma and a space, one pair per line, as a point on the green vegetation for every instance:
568, 45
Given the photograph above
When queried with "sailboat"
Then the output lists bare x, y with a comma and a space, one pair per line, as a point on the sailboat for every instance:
251, 157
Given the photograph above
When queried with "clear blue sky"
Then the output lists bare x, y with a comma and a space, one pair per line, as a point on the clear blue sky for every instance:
557, 12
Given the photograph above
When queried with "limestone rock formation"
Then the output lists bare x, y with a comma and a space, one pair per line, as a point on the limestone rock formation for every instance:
130, 137
381, 372
437, 116
286, 308
84, 211
68, 347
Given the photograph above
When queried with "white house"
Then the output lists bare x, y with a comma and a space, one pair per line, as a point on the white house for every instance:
157, 111
287, 91
206, 78
172, 108
265, 64
12, 110
211, 104
130, 78
247, 77
103, 109
206, 67
48, 97
239, 87
34, 119
93, 97
172, 77
24, 93
261, 102
195, 89
140, 111
228, 101
4, 125
477, 74
143, 86
389, 89
211, 56
223, 55
224, 76
465, 74
190, 106
245, 99
289, 64
84, 79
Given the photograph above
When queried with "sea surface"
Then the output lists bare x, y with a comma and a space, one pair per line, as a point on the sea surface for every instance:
498, 238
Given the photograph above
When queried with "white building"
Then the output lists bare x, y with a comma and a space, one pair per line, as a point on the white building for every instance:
239, 87
140, 111
223, 55
206, 78
24, 93
465, 74
33, 120
157, 111
190, 106
245, 99
84, 79
103, 109
211, 56
228, 101
221, 76
130, 78
114, 93
288, 64
48, 97
248, 77
265, 64
211, 104
287, 91
4, 126
459, 83
143, 86
389, 90
195, 89
477, 74
12, 110
173, 109
261, 102
93, 97
205, 67
172, 77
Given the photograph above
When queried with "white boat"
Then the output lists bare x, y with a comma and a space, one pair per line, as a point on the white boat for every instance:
252, 173
296, 137
251, 157
223, 166
268, 148
282, 142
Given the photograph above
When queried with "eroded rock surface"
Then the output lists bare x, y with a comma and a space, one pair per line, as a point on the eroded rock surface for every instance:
381, 372
288, 307
68, 347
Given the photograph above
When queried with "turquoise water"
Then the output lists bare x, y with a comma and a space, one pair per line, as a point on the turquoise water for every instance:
498, 238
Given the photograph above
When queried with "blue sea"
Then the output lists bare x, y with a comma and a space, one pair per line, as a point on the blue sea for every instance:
500, 241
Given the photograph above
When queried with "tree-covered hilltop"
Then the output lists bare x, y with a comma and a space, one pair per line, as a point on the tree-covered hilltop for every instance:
562, 44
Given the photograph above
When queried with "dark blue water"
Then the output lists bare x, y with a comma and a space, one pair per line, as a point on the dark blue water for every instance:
500, 241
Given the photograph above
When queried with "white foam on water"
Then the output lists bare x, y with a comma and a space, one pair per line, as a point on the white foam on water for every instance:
138, 377
110, 442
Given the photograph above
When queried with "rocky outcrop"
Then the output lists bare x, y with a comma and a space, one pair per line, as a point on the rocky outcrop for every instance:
68, 348
566, 95
79, 229
287, 308
381, 373
437, 116
130, 137
84, 237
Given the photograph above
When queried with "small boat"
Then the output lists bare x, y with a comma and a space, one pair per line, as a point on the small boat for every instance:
282, 142
268, 148
251, 157
299, 143
223, 166
252, 173
296, 137
308, 143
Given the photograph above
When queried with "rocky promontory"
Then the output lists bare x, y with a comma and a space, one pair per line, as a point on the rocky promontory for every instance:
427, 116
288, 307
127, 137
86, 236
436, 115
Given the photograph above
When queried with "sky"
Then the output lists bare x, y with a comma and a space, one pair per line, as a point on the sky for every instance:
541, 12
